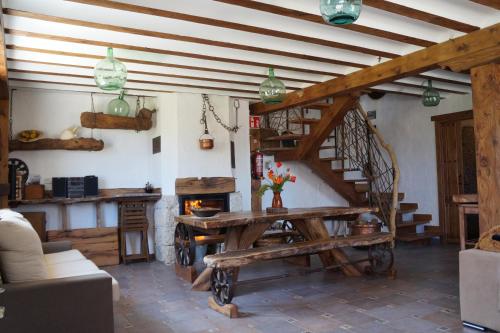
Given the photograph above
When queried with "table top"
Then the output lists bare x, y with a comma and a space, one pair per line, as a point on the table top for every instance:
233, 219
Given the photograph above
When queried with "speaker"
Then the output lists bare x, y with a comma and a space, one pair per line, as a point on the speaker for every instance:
60, 187
90, 186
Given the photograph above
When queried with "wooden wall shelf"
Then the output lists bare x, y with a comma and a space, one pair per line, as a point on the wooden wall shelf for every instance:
142, 122
86, 144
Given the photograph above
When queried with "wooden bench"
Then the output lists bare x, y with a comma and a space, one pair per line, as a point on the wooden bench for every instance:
224, 264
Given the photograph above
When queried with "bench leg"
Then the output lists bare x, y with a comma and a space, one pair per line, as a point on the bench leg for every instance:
222, 285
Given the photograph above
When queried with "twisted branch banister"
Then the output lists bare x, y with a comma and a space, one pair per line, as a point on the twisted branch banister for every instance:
395, 166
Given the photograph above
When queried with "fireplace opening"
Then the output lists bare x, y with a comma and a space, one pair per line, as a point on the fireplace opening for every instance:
187, 202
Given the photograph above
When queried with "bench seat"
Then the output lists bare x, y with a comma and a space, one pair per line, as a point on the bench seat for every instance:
239, 258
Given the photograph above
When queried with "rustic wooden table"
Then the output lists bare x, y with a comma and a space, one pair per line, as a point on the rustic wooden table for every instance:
244, 228
467, 204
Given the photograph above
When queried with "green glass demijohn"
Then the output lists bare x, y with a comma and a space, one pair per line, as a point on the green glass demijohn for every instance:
431, 96
339, 12
272, 90
109, 73
118, 106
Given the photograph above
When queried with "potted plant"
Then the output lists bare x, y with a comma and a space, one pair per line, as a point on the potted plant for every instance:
275, 182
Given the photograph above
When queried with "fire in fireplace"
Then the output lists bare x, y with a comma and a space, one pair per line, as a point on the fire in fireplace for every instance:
187, 202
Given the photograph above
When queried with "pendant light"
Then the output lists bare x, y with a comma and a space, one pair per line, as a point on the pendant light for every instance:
272, 90
430, 96
109, 73
339, 12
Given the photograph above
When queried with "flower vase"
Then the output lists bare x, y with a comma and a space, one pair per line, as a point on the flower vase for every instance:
277, 202
277, 205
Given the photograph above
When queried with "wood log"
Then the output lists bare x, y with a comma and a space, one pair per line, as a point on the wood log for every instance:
209, 185
142, 122
86, 144
99, 245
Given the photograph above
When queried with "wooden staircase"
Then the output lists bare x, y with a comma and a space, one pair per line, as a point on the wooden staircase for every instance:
338, 143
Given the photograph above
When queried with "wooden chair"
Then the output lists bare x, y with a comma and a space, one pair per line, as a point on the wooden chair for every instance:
133, 218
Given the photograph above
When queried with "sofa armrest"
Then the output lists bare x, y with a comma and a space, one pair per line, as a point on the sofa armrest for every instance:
59, 246
76, 304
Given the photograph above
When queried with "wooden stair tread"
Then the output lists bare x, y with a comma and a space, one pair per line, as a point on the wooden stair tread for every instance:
276, 150
415, 237
245, 257
286, 137
405, 208
306, 121
401, 196
331, 159
361, 187
345, 170
327, 147
356, 180
418, 219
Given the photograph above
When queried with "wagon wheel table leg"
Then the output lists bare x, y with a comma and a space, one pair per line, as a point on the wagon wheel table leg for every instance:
185, 249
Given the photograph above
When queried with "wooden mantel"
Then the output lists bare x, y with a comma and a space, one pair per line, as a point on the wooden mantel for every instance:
205, 185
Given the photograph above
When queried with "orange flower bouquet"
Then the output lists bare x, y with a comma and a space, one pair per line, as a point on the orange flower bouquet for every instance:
275, 182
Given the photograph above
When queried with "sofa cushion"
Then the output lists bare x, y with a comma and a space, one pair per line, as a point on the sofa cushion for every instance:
21, 254
64, 256
79, 268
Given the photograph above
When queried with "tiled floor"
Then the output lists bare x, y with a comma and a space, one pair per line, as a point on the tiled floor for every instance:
424, 298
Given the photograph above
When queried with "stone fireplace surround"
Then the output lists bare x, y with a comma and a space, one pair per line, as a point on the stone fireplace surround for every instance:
167, 208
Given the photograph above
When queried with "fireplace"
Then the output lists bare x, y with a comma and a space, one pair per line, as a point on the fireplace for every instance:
216, 200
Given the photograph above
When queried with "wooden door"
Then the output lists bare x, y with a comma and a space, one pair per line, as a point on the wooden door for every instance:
450, 170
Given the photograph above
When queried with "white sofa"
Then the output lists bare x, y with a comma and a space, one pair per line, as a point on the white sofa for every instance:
480, 288
50, 287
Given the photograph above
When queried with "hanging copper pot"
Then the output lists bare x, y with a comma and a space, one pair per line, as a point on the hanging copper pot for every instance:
206, 141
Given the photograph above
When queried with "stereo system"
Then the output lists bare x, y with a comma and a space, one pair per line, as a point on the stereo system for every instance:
74, 187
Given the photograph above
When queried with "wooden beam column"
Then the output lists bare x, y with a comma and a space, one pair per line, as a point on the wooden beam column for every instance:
4, 124
486, 101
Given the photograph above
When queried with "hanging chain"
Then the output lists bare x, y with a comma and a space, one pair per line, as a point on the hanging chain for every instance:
206, 102
92, 109
203, 119
137, 106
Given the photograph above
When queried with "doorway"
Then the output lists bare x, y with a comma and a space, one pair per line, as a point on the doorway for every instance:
456, 170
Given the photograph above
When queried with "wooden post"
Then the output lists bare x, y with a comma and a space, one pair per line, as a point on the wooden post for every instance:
486, 102
4, 124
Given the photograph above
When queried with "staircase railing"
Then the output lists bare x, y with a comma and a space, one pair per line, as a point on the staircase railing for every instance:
362, 148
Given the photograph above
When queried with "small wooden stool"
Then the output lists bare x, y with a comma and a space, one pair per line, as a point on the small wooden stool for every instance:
133, 218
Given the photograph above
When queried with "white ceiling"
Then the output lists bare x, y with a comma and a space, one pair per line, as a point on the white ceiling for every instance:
47, 52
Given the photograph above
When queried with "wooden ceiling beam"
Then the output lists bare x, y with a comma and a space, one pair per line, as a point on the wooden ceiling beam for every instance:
296, 14
165, 52
176, 76
152, 63
490, 3
164, 35
233, 26
416, 14
408, 65
160, 83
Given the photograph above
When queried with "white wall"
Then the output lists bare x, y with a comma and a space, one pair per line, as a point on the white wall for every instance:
406, 124
125, 161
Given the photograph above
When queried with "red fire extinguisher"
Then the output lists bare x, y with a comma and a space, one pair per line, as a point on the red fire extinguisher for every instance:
257, 165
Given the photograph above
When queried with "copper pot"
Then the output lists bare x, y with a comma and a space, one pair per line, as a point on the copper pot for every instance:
206, 143
365, 228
